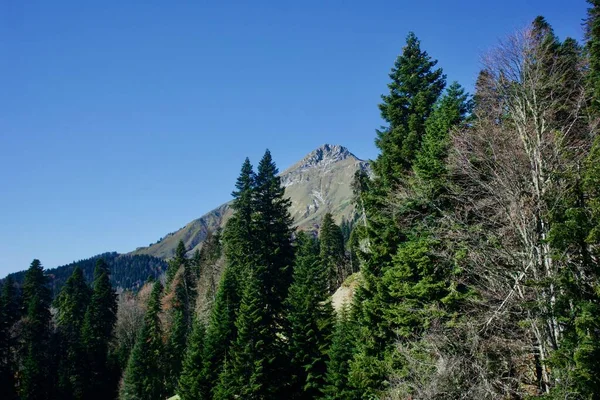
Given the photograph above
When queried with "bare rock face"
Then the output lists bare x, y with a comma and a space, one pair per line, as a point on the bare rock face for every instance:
319, 183
322, 182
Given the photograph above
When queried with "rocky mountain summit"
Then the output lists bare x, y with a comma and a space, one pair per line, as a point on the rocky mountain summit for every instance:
320, 182
321, 157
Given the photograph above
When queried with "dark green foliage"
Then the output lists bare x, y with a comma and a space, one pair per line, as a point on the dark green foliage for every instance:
332, 252
127, 271
180, 260
593, 49
237, 236
205, 262
238, 231
430, 163
272, 235
346, 227
144, 377
405, 286
310, 319
249, 371
190, 386
181, 298
414, 88
358, 233
97, 332
574, 238
9, 315
221, 332
35, 375
340, 354
257, 358
71, 304
180, 311
196, 262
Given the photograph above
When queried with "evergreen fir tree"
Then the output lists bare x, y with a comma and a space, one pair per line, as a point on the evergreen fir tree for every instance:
177, 262
144, 377
430, 164
35, 375
346, 228
273, 258
71, 305
332, 252
310, 318
248, 375
221, 332
593, 49
9, 314
181, 312
272, 234
190, 385
574, 237
196, 263
237, 237
340, 355
414, 88
97, 332
238, 231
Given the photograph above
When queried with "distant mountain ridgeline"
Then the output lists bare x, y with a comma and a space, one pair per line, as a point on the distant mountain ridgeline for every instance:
320, 183
127, 271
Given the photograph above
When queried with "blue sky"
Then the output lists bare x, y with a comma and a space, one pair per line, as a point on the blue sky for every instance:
121, 121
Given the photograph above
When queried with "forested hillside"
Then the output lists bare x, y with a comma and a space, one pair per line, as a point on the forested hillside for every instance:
472, 269
126, 271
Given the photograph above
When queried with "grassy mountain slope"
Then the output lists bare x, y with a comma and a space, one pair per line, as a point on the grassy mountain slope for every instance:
320, 182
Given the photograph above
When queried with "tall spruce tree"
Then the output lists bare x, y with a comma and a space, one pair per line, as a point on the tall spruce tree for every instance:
36, 378
257, 360
341, 352
332, 252
414, 89
237, 237
449, 112
221, 332
238, 231
592, 26
249, 373
417, 280
181, 311
71, 304
191, 382
181, 298
96, 334
574, 233
144, 377
273, 260
272, 230
178, 261
310, 319
9, 315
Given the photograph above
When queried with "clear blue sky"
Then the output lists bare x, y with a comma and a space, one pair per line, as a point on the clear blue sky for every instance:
121, 121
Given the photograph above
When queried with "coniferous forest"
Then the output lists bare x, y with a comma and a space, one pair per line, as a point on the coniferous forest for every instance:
474, 261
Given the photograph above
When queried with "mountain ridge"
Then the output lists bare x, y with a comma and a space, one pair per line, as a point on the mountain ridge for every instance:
320, 182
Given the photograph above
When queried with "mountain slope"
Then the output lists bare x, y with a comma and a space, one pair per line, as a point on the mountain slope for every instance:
126, 271
321, 182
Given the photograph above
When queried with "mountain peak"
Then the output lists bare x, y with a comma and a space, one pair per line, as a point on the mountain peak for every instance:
324, 155
317, 184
